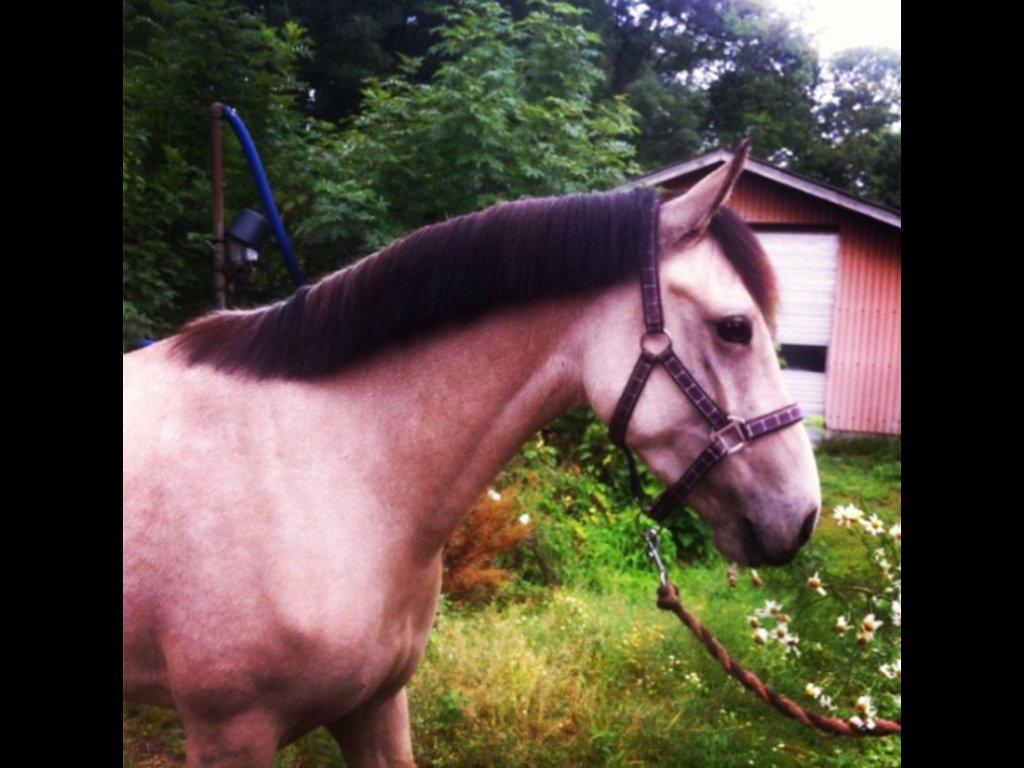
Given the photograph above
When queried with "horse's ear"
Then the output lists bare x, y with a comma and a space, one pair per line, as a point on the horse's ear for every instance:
690, 214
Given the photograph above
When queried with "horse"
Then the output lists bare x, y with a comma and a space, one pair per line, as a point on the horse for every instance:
291, 473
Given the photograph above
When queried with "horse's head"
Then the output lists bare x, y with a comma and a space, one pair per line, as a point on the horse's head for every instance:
717, 291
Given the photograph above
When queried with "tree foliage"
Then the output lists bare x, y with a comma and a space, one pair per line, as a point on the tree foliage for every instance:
510, 112
374, 118
353, 40
858, 142
179, 57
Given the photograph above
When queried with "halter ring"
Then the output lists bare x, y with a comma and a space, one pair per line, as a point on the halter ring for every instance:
651, 334
735, 425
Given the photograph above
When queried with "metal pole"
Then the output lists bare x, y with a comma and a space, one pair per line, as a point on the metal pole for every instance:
219, 282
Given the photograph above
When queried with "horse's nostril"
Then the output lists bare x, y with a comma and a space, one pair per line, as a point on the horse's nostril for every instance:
808, 526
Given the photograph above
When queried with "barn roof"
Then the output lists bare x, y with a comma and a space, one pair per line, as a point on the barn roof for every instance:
779, 175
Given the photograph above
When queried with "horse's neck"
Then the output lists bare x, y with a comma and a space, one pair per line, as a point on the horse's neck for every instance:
449, 412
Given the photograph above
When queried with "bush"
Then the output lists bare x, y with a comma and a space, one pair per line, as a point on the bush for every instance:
491, 531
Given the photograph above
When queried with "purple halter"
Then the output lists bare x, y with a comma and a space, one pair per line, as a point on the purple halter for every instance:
729, 433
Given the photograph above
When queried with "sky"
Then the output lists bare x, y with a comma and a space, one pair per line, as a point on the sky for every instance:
838, 24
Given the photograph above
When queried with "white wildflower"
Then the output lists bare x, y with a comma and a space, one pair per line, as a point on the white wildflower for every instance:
814, 582
865, 717
813, 691
524, 519
755, 578
841, 625
826, 702
870, 624
493, 494
846, 515
790, 642
872, 525
771, 608
897, 613
896, 532
761, 636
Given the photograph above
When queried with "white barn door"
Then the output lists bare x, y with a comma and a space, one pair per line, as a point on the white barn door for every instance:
806, 264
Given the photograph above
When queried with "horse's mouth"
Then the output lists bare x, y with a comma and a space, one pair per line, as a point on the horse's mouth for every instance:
755, 555
748, 540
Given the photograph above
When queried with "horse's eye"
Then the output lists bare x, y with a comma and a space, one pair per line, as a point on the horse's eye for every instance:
735, 330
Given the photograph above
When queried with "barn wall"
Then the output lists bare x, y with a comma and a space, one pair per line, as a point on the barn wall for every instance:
864, 393
864, 369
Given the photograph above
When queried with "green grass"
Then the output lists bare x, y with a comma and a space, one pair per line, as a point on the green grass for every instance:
572, 676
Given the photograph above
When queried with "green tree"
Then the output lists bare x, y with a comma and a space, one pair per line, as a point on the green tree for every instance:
763, 87
509, 112
353, 40
703, 73
858, 144
883, 182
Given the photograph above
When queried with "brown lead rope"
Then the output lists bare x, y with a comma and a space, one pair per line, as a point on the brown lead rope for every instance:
668, 600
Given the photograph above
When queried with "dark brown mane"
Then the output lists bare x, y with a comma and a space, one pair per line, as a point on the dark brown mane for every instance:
453, 272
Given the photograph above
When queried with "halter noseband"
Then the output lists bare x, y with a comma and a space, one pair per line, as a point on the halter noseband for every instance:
729, 434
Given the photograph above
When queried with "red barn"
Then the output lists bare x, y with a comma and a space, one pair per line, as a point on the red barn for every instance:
838, 262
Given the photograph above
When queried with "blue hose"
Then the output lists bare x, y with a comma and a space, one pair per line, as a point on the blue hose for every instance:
268, 197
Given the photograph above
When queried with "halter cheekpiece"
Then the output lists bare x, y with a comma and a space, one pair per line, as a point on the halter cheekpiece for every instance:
728, 433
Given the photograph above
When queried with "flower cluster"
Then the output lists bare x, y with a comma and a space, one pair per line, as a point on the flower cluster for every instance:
893, 670
871, 600
865, 717
848, 516
779, 633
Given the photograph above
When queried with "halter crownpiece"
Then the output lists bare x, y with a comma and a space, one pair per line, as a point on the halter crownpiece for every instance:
728, 434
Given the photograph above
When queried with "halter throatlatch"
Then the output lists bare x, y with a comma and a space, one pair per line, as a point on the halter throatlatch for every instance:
728, 433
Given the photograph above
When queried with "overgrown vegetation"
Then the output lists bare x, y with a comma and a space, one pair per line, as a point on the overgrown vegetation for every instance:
511, 110
375, 118
568, 663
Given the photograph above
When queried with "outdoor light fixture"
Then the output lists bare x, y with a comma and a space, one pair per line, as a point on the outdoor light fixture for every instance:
245, 236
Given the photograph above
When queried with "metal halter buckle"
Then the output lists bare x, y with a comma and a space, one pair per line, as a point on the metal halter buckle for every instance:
735, 425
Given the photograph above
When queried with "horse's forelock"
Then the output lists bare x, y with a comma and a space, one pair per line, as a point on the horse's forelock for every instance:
741, 247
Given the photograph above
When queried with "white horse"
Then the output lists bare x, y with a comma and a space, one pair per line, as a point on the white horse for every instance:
292, 473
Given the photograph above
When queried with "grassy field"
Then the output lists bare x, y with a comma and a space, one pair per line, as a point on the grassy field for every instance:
577, 676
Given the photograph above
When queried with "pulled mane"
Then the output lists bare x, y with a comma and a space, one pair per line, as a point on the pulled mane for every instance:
450, 272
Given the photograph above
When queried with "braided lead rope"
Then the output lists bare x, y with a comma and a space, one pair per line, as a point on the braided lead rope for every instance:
668, 600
